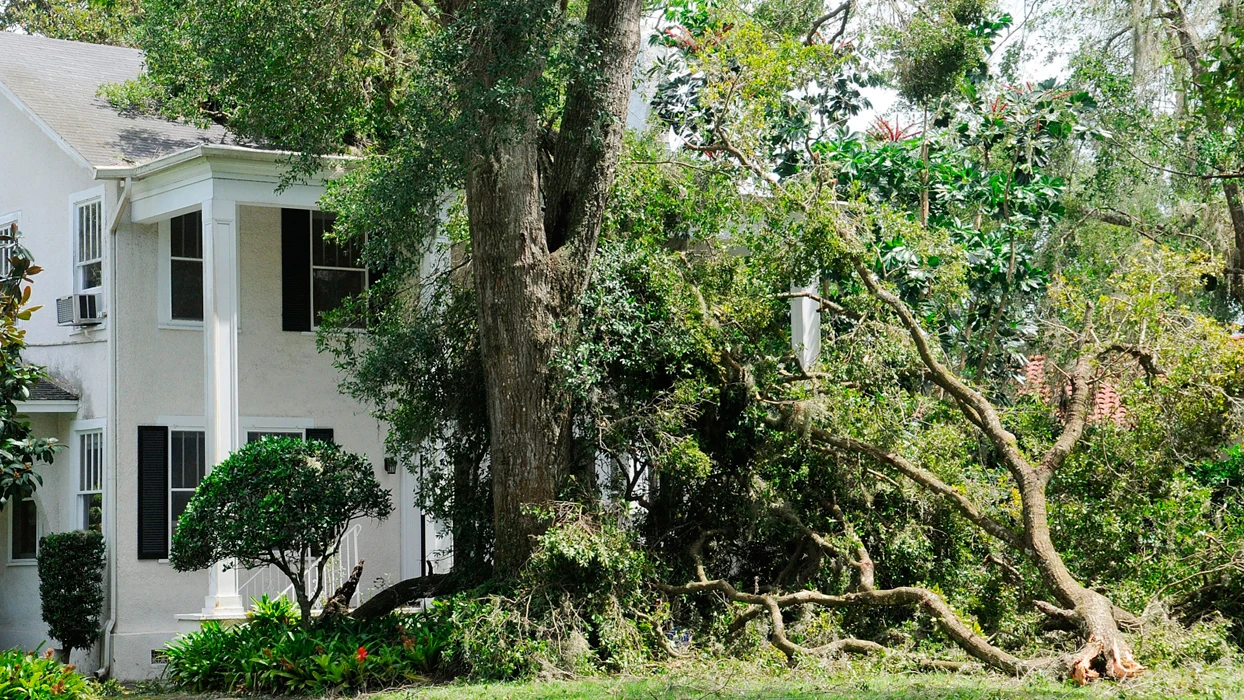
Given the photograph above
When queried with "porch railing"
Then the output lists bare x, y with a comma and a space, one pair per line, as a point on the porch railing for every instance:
269, 581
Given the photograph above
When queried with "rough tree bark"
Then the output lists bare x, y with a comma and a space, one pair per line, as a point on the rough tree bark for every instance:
533, 236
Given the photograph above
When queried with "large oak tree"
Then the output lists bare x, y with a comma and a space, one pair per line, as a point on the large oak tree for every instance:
520, 104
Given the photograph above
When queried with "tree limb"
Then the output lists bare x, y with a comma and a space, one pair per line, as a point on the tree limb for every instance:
845, 7
990, 422
1077, 413
924, 478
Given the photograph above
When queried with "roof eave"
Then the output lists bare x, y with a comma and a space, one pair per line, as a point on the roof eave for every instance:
172, 160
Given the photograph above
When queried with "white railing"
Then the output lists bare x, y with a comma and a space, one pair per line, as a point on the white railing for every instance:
271, 582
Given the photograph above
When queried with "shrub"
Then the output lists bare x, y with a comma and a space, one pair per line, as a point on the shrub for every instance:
580, 606
274, 654
71, 587
30, 676
280, 501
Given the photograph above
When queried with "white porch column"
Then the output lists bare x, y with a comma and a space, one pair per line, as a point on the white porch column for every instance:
220, 381
805, 325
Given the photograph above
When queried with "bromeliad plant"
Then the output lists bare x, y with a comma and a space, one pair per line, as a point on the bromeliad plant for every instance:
283, 502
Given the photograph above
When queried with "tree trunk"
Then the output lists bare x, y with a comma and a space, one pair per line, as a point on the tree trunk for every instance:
1235, 258
528, 413
532, 253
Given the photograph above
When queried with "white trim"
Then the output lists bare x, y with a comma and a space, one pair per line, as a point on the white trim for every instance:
44, 126
80, 516
168, 514
77, 200
47, 406
13, 217
240, 153
178, 422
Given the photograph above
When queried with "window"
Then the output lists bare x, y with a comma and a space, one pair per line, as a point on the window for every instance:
25, 530
91, 480
8, 240
257, 435
317, 273
186, 267
187, 465
336, 273
89, 245
322, 434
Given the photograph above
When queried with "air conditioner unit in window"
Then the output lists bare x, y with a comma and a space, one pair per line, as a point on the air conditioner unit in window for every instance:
79, 310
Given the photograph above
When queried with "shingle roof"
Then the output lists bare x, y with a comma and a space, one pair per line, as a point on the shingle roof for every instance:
47, 390
58, 80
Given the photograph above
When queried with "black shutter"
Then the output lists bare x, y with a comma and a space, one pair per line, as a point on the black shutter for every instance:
152, 492
296, 269
321, 434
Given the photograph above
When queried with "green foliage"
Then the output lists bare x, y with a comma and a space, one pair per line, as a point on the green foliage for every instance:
578, 607
941, 44
1224, 473
273, 654
280, 501
32, 676
92, 21
71, 586
20, 451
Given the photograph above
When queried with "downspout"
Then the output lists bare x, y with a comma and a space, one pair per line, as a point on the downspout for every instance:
105, 669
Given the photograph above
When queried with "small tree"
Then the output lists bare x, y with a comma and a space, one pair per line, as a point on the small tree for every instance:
283, 502
71, 587
19, 452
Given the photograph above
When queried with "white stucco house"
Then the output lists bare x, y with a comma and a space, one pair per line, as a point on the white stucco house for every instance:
181, 293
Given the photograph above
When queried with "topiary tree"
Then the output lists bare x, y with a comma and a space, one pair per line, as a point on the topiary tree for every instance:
71, 587
283, 502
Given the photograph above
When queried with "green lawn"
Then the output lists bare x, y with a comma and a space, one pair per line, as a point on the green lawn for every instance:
1219, 683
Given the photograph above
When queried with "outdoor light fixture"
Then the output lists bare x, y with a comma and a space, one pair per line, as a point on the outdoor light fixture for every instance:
390, 465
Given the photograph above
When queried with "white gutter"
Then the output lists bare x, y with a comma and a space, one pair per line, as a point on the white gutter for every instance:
105, 668
138, 172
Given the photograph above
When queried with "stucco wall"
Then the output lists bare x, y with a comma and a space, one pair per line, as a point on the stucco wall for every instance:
282, 379
37, 179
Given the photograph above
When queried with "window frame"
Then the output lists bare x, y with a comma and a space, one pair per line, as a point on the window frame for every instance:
172, 259
164, 269
312, 267
76, 202
24, 561
173, 430
13, 218
82, 511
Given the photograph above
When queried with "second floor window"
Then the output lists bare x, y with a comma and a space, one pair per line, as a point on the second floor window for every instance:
318, 272
89, 246
186, 267
336, 273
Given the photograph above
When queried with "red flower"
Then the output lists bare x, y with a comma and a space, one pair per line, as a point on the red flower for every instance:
361, 654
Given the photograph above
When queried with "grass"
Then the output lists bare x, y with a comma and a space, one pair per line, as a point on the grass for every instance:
853, 682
